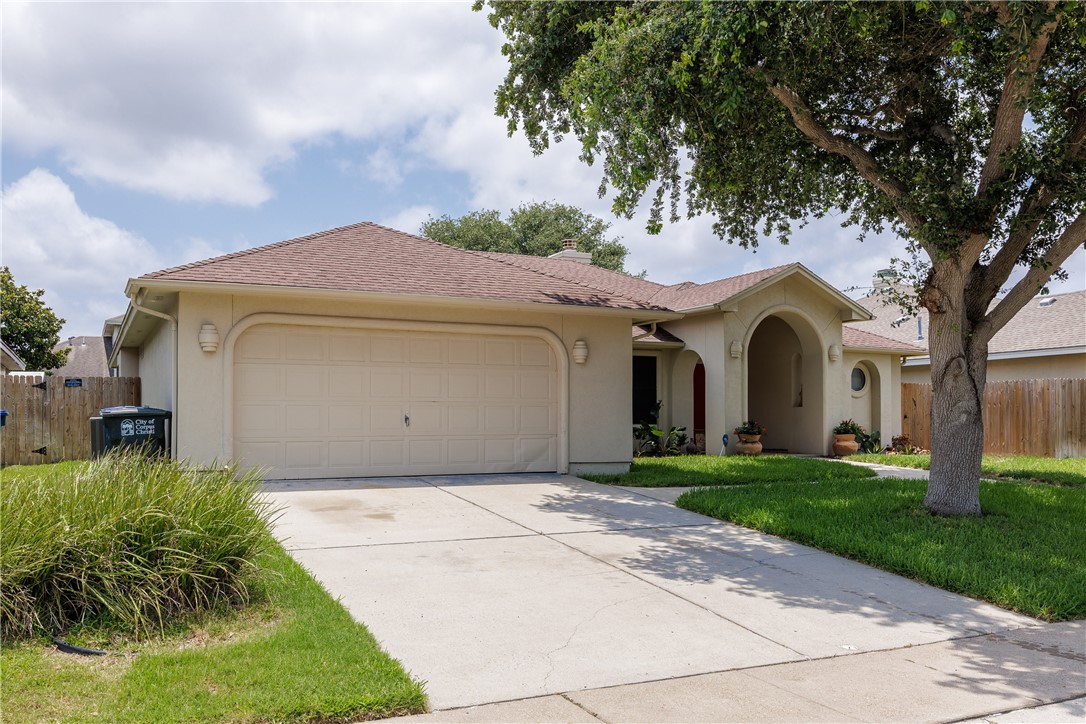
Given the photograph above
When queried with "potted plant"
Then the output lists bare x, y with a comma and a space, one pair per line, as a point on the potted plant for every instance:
844, 437
750, 434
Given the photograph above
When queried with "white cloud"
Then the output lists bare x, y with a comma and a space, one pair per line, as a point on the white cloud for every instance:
81, 261
409, 219
196, 101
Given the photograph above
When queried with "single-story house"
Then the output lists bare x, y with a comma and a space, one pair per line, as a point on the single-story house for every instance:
366, 351
9, 361
1045, 340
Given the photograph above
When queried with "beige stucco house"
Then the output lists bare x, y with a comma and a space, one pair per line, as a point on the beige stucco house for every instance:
365, 351
1045, 340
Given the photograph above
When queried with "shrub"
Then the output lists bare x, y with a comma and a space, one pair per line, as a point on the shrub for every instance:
848, 427
654, 442
126, 541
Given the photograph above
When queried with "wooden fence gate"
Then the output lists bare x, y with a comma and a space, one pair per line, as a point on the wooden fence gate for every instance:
48, 419
1021, 417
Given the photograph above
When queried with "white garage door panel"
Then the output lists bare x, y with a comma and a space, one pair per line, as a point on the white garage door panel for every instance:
318, 402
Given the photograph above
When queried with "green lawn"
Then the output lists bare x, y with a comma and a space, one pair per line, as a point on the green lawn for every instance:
291, 653
1056, 471
700, 470
1027, 554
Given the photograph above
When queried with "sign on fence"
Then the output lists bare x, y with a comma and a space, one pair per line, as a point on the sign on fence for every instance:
1021, 417
48, 421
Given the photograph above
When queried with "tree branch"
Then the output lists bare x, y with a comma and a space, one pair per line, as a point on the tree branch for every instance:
1017, 85
1032, 210
861, 160
1071, 239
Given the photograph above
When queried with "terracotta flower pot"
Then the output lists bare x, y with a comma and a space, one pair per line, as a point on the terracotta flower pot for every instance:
845, 445
749, 445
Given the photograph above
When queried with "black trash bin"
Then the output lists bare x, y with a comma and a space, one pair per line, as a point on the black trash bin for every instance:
3, 418
126, 426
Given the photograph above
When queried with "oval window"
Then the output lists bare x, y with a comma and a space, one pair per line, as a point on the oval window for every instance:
859, 379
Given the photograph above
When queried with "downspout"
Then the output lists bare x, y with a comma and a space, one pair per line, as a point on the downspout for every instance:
652, 331
173, 377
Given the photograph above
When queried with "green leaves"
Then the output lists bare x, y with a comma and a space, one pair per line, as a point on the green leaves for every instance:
29, 326
534, 229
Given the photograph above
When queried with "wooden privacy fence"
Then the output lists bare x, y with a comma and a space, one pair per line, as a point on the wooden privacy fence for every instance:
48, 419
1021, 417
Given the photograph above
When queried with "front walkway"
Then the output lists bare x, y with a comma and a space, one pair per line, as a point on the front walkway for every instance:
495, 588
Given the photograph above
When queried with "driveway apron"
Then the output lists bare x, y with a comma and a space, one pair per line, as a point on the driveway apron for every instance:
493, 588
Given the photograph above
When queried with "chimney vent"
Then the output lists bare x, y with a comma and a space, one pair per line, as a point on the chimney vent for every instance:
569, 244
569, 253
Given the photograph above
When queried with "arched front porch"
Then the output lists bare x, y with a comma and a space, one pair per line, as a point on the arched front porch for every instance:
784, 382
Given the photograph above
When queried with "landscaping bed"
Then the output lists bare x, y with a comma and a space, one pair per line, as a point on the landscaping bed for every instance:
172, 572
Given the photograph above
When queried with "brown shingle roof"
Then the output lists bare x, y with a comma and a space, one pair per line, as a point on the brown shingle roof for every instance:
858, 338
688, 295
87, 357
366, 257
661, 335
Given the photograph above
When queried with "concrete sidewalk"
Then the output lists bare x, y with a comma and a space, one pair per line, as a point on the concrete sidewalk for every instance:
1036, 674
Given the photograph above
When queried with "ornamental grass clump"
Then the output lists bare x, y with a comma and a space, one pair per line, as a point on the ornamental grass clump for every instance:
126, 541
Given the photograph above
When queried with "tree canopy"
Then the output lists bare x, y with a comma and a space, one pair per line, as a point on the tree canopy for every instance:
535, 229
28, 325
960, 126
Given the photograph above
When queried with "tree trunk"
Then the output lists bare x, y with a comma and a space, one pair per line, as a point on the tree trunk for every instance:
959, 361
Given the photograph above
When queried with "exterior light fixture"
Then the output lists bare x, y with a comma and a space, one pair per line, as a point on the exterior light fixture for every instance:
834, 352
580, 351
209, 337
736, 349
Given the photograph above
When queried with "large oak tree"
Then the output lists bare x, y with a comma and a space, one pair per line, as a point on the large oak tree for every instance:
958, 125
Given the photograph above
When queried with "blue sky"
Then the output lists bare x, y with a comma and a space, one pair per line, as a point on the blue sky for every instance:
139, 136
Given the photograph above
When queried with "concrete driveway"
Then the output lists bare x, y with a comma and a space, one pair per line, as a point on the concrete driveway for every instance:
492, 588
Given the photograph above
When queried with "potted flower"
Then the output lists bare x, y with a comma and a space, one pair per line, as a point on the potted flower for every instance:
844, 438
750, 433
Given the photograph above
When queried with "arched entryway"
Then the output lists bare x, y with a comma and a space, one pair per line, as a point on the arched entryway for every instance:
688, 395
784, 383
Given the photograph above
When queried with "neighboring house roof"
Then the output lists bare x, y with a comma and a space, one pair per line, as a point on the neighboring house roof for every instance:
1056, 322
10, 360
87, 357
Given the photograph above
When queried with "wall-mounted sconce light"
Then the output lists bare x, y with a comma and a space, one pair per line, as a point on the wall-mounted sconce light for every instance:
736, 349
580, 351
209, 337
834, 352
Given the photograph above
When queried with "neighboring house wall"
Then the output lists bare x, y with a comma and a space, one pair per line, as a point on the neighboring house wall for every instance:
1062, 366
598, 394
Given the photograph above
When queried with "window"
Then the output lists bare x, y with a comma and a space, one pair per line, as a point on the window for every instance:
644, 390
859, 379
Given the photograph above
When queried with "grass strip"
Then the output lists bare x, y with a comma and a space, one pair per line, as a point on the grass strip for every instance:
1026, 554
302, 658
1069, 472
698, 470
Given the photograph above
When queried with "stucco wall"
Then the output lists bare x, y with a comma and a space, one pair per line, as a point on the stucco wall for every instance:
1063, 366
879, 406
599, 390
155, 368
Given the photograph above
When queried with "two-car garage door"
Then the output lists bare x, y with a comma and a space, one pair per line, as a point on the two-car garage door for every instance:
313, 402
